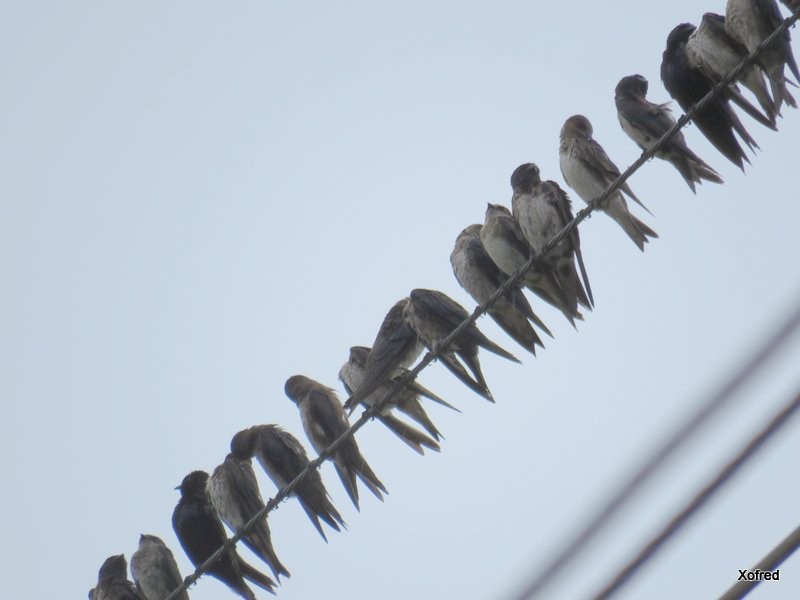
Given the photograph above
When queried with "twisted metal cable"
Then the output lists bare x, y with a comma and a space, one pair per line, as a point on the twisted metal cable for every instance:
432, 355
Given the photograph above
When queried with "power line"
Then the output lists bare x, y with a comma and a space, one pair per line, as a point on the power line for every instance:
769, 563
432, 355
679, 520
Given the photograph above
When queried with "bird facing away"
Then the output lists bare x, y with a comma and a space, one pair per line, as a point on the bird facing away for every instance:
395, 346
713, 50
154, 570
506, 246
688, 85
434, 316
542, 209
283, 457
233, 491
112, 581
750, 22
352, 374
201, 534
324, 420
481, 278
645, 122
588, 170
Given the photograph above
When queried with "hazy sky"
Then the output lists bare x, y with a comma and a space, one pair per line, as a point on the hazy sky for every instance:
200, 200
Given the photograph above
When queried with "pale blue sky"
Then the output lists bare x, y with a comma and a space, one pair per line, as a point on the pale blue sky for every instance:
199, 201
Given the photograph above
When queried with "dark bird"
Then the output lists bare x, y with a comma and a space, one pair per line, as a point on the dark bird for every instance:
201, 534
233, 491
283, 457
481, 278
751, 22
688, 84
324, 420
588, 170
434, 316
645, 122
506, 246
112, 581
395, 346
406, 400
712, 50
542, 209
154, 570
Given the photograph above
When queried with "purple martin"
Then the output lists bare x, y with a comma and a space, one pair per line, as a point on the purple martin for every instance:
324, 421
688, 84
233, 491
395, 346
481, 278
434, 316
283, 457
201, 533
712, 49
406, 400
506, 246
588, 170
154, 570
112, 581
645, 122
751, 22
542, 209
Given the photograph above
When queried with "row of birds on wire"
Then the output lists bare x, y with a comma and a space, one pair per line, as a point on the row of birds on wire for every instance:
484, 257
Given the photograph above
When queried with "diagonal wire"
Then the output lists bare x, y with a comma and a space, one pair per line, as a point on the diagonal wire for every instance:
770, 562
780, 419
432, 355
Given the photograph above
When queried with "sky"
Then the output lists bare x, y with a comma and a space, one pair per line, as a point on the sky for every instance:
197, 202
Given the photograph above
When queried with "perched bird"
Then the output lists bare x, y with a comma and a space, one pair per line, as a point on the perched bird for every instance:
588, 170
395, 346
711, 49
645, 122
201, 534
481, 278
542, 209
283, 457
233, 491
434, 315
506, 246
688, 85
406, 400
324, 420
751, 22
112, 581
154, 570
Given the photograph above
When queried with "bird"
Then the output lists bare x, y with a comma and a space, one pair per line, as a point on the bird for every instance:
113, 583
283, 458
751, 22
201, 534
542, 209
396, 346
688, 85
233, 491
645, 122
406, 400
506, 246
588, 170
481, 278
154, 570
714, 51
324, 421
434, 316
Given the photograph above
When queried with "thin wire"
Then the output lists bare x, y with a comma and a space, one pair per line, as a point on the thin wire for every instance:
546, 574
432, 355
769, 563
754, 444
